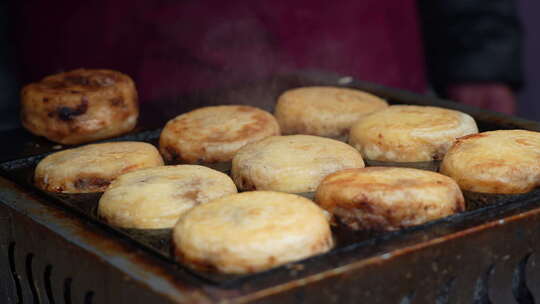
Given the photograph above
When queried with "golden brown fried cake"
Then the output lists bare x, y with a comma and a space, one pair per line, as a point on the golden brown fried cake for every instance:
251, 231
293, 163
80, 106
92, 168
410, 133
388, 198
155, 198
324, 111
505, 161
214, 134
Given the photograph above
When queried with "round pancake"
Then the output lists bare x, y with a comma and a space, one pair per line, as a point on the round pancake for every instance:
155, 198
214, 134
80, 106
293, 163
251, 231
324, 111
504, 161
410, 133
387, 198
92, 168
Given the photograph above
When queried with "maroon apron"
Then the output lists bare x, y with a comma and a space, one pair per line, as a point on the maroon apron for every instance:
172, 47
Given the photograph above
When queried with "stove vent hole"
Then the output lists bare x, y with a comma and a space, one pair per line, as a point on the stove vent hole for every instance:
67, 290
481, 289
521, 292
30, 277
14, 274
443, 297
407, 299
88, 297
48, 285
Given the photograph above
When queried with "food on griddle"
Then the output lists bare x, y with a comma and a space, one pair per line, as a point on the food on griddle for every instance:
92, 168
80, 106
251, 231
155, 198
409, 134
214, 134
388, 198
324, 111
293, 163
504, 161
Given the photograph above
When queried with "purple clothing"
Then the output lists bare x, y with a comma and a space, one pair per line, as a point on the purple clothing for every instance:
173, 47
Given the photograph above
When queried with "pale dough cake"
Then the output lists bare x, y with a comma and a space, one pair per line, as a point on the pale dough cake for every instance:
251, 231
292, 163
92, 168
324, 111
407, 133
155, 198
504, 161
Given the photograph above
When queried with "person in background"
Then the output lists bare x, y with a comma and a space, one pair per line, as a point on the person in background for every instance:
474, 51
170, 48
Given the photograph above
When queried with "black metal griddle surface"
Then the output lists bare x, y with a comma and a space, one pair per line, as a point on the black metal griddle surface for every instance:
18, 166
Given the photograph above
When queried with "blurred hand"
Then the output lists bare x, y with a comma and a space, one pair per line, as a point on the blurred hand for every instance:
493, 96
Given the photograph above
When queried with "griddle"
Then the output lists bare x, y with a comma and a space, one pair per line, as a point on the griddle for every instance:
483, 255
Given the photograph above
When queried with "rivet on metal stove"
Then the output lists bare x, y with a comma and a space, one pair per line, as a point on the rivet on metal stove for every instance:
386, 256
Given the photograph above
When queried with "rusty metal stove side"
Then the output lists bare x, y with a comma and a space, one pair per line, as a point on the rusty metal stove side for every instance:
497, 262
50, 256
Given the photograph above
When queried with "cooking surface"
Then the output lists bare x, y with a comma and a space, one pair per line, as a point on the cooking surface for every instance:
351, 246
158, 241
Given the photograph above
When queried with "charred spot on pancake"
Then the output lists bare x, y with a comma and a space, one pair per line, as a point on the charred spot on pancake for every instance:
67, 113
246, 184
437, 155
76, 80
93, 81
171, 154
192, 195
91, 182
45, 100
117, 101
364, 205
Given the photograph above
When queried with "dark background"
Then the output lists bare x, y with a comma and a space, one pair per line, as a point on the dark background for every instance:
529, 95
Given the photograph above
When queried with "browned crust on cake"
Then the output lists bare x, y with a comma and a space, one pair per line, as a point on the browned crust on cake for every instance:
80, 106
91, 168
503, 162
362, 204
190, 138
